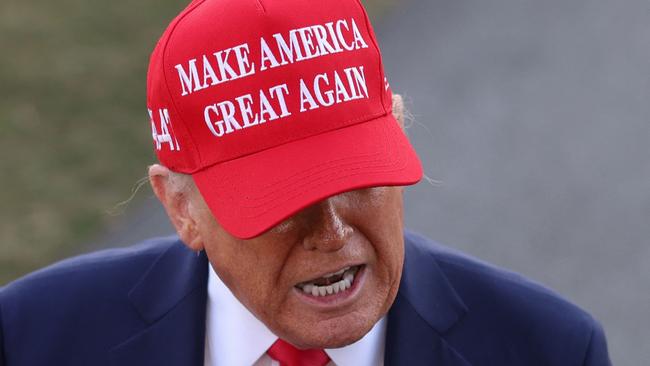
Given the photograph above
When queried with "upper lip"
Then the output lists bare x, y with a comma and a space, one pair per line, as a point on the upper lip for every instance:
313, 278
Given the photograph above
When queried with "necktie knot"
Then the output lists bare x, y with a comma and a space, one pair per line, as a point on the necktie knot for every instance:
288, 355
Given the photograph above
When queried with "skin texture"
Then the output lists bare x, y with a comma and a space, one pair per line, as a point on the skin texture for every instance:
361, 226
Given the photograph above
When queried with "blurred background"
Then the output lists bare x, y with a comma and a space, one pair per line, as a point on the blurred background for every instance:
532, 117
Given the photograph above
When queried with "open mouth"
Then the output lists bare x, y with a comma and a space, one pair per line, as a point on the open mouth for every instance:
332, 283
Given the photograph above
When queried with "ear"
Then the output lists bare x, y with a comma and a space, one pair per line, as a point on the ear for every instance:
399, 110
177, 205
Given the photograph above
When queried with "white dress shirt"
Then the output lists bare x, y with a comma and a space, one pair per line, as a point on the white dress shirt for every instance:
234, 337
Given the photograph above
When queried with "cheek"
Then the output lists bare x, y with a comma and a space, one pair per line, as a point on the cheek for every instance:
381, 220
382, 208
389, 260
249, 269
249, 281
383, 226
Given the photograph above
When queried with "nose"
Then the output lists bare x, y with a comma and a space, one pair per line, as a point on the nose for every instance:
327, 229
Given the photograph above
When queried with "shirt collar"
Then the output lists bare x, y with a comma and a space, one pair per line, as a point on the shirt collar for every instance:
230, 326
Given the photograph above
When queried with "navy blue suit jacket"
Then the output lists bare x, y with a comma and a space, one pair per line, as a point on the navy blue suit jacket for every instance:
145, 305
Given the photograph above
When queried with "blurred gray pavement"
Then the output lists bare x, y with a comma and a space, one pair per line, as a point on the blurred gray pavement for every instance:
535, 118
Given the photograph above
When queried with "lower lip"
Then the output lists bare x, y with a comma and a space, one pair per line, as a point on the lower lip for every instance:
336, 300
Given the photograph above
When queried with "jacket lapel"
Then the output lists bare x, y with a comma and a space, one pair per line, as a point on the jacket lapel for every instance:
171, 299
425, 308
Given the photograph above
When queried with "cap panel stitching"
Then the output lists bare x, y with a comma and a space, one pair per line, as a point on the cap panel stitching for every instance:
373, 38
317, 169
351, 122
200, 163
171, 97
260, 6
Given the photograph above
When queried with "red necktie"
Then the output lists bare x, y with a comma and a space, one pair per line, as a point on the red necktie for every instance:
289, 355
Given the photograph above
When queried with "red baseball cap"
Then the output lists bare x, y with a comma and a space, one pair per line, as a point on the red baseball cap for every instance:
274, 105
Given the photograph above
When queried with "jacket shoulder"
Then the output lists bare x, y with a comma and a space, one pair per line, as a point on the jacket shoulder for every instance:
87, 269
484, 285
507, 311
58, 307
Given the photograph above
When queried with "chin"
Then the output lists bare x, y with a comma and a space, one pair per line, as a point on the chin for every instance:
331, 333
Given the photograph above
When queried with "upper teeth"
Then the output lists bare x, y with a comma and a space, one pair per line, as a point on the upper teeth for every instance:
342, 285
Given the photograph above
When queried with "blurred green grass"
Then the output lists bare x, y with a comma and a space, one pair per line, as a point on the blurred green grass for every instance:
74, 134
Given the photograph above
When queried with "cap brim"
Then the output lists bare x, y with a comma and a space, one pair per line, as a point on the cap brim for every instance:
251, 194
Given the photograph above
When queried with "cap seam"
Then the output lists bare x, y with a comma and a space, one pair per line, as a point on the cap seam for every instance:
371, 165
164, 71
381, 61
356, 121
348, 173
315, 170
261, 6
341, 165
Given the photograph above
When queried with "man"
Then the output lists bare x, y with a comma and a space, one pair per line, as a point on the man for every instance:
282, 167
